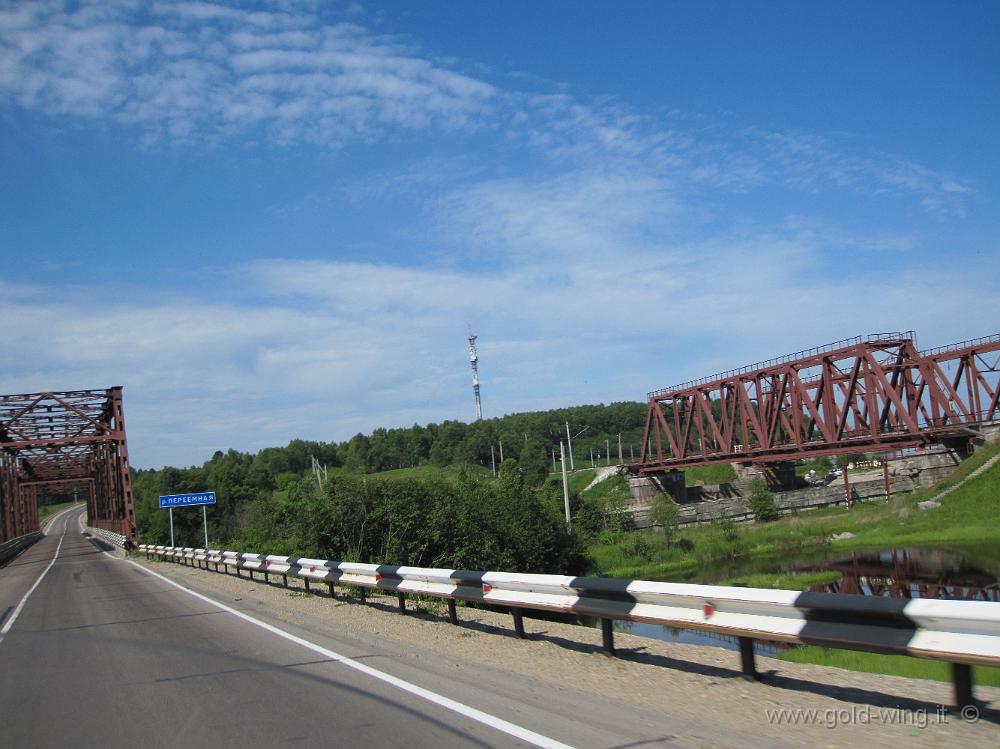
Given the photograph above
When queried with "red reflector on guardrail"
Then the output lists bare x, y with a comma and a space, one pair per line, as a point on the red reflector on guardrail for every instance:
378, 577
487, 588
709, 610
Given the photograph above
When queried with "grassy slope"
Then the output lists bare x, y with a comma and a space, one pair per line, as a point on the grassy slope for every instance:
715, 474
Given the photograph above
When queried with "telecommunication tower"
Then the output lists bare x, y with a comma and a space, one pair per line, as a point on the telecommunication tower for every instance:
474, 360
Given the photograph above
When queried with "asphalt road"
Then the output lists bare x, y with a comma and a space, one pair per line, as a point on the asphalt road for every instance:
105, 653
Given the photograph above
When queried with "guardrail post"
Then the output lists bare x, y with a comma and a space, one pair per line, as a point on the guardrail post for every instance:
251, 574
284, 580
267, 577
961, 677
402, 602
333, 595
364, 594
608, 636
306, 581
748, 659
518, 622
452, 611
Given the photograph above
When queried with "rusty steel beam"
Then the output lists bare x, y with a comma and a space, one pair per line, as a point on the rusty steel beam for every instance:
65, 437
856, 395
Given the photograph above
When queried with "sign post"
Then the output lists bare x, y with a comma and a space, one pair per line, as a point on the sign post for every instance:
170, 501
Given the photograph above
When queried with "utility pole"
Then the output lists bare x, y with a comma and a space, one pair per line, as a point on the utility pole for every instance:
554, 469
562, 453
493, 461
569, 440
592, 457
619, 449
501, 450
607, 445
631, 453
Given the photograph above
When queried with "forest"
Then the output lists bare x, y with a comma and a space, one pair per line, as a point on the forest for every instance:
359, 506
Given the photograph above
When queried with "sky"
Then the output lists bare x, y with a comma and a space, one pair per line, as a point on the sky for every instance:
279, 220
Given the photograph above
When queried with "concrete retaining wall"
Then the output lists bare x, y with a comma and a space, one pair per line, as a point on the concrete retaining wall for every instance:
700, 504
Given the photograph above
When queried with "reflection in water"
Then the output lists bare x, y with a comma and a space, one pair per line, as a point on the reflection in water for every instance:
904, 573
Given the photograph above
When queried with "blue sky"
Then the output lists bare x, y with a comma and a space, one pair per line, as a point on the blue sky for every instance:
277, 219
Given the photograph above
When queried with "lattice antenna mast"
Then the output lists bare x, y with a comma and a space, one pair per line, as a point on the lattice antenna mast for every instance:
474, 361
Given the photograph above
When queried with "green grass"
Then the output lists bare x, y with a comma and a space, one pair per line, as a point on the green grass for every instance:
47, 511
699, 553
895, 665
784, 580
721, 473
578, 480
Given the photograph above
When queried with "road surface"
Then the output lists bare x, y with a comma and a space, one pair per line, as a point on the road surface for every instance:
104, 652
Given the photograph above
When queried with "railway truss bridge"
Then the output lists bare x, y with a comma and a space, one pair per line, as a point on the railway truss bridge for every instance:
66, 440
877, 393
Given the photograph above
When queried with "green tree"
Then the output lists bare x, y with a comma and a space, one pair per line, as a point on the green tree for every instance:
534, 462
666, 514
761, 501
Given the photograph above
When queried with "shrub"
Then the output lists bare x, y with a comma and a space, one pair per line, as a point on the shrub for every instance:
761, 501
666, 514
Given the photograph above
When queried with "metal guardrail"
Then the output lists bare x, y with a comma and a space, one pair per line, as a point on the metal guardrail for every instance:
960, 632
13, 547
110, 537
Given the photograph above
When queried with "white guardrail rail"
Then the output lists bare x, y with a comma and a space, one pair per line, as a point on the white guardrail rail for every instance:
960, 632
109, 537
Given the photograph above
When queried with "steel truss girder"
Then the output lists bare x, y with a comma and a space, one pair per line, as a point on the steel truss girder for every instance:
64, 437
878, 393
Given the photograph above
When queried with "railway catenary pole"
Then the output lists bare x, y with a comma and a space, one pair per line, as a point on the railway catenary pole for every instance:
569, 439
562, 452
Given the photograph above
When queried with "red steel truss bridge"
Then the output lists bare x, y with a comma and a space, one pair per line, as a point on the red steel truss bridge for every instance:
75, 439
876, 393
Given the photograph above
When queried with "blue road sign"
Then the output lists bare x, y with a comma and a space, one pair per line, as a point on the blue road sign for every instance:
187, 500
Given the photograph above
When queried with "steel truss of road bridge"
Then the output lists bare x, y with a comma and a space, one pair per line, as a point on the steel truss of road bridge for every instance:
873, 393
74, 438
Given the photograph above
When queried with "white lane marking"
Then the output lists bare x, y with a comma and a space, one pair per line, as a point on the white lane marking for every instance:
449, 704
17, 612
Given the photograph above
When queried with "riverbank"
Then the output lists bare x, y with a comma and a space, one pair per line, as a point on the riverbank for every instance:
702, 553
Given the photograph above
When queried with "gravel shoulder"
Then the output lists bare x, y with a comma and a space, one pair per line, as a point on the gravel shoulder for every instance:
699, 688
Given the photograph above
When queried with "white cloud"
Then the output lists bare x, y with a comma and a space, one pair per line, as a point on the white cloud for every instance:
200, 72
193, 71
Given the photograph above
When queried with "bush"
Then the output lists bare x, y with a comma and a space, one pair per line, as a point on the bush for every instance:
666, 514
761, 501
